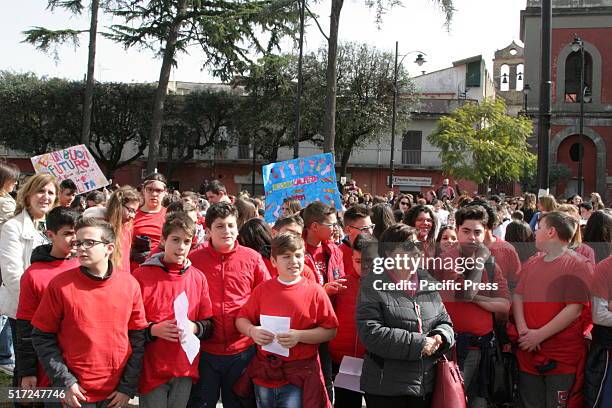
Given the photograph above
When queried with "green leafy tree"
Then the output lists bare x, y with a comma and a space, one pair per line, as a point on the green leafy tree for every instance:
226, 31
47, 40
121, 120
38, 115
197, 122
480, 141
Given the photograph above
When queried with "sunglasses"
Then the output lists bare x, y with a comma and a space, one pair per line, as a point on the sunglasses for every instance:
404, 203
366, 228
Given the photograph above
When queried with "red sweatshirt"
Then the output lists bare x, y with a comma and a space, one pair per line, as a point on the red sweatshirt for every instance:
160, 285
231, 279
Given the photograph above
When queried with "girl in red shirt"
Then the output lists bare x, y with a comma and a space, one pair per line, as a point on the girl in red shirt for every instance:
120, 212
149, 219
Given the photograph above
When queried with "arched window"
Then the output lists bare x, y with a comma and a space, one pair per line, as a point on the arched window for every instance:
572, 76
504, 78
520, 77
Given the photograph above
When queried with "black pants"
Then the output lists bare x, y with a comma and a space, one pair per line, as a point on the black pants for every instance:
345, 398
326, 369
379, 401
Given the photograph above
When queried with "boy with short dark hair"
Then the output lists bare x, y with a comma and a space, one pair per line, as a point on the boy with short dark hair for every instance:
167, 373
216, 193
289, 223
89, 328
547, 305
291, 379
356, 221
48, 261
481, 291
68, 192
232, 272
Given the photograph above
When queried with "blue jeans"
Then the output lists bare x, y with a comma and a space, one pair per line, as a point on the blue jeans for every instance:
220, 373
287, 396
6, 341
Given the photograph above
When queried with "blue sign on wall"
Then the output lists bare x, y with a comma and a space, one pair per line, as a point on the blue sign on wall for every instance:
305, 179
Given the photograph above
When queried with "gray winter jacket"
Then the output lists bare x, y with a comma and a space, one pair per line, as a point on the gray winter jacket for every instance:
389, 328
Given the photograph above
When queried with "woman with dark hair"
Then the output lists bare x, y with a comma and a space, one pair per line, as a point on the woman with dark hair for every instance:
79, 203
246, 211
447, 239
382, 217
149, 219
291, 206
522, 238
598, 234
423, 219
404, 331
403, 202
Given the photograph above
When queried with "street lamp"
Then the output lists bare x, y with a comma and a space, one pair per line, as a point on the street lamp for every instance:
578, 46
420, 60
526, 90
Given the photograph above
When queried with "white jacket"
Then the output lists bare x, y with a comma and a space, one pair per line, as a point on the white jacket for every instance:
18, 239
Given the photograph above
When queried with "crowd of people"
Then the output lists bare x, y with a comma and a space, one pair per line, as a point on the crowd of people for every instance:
106, 293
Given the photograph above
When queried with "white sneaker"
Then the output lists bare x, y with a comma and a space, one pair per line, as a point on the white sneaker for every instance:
7, 368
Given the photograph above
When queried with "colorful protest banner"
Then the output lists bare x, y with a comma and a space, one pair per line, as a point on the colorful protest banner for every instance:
305, 179
75, 163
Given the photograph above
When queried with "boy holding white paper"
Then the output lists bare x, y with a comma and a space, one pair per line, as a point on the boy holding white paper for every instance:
289, 374
177, 307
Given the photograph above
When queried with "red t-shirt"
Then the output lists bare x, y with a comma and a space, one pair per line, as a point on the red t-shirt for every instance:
508, 260
164, 360
34, 282
546, 288
468, 317
305, 303
91, 319
320, 261
149, 225
587, 252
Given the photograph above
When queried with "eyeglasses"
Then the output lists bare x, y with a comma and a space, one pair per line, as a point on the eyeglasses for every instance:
87, 243
411, 245
404, 203
130, 211
362, 229
332, 225
152, 190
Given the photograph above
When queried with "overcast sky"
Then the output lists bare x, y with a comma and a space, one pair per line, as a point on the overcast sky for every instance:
478, 27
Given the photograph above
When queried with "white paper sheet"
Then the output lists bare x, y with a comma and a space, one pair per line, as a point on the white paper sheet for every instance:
349, 374
189, 342
276, 325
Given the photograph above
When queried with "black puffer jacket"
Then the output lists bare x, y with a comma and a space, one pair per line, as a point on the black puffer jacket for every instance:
388, 326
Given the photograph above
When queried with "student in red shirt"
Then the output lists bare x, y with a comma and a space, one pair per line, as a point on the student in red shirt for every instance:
547, 304
471, 307
167, 374
288, 223
149, 219
325, 258
347, 342
232, 272
295, 379
120, 212
48, 261
89, 328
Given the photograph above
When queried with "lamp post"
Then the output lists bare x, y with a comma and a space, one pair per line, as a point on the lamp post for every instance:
298, 102
578, 46
419, 61
526, 90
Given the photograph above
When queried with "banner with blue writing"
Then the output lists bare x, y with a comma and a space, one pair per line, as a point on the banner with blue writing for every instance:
305, 179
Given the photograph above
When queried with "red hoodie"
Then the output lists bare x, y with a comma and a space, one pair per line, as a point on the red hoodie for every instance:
335, 262
231, 279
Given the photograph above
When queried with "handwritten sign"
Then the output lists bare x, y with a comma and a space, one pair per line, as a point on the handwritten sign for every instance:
75, 163
305, 179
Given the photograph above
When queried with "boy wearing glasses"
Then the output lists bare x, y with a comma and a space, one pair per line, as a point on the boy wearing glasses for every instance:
48, 261
89, 328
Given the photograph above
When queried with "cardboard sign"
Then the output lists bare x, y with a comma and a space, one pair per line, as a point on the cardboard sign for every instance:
304, 179
74, 163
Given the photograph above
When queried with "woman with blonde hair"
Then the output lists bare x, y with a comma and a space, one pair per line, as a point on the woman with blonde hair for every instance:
120, 213
546, 204
576, 241
20, 235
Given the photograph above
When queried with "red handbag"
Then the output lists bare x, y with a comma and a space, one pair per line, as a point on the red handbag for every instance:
449, 389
